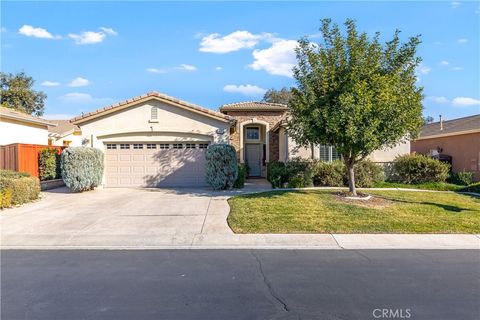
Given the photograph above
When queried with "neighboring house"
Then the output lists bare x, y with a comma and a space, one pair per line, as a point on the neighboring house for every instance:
458, 139
19, 127
64, 134
158, 140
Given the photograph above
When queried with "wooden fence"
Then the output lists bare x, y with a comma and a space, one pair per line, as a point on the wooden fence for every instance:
22, 157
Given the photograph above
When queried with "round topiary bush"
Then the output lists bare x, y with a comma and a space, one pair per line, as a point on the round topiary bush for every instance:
417, 168
222, 169
82, 168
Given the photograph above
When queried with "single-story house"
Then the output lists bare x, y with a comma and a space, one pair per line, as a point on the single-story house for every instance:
158, 140
456, 140
64, 134
19, 127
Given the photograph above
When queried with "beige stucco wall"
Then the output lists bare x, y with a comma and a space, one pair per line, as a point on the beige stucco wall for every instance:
389, 154
133, 124
289, 149
12, 131
285, 142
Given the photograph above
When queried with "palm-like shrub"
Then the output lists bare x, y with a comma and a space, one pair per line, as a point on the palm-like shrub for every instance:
222, 169
82, 168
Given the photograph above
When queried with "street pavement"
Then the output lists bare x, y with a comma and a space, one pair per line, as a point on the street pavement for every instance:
240, 284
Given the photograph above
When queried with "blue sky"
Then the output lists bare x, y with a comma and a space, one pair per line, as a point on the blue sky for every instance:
86, 55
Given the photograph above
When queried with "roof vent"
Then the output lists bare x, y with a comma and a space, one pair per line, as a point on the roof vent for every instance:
441, 122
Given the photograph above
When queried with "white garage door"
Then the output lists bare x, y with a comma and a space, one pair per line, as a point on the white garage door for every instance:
155, 164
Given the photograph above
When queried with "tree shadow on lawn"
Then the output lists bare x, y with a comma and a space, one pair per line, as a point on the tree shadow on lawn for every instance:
278, 193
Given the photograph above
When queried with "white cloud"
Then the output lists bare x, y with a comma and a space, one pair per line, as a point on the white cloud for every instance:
79, 82
88, 37
279, 59
83, 98
465, 101
423, 69
186, 67
218, 68
109, 31
440, 100
3, 29
155, 70
29, 31
50, 83
462, 40
457, 68
444, 63
92, 37
455, 4
248, 89
215, 43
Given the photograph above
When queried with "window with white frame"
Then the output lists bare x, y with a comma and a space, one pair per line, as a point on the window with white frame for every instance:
164, 146
329, 153
151, 146
111, 146
177, 146
137, 146
253, 133
203, 145
154, 114
124, 146
190, 145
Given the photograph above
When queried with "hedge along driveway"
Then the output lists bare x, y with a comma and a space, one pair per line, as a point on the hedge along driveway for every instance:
323, 211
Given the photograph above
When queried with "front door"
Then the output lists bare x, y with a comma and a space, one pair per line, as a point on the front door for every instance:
254, 159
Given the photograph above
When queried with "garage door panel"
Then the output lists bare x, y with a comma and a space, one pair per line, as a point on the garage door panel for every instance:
155, 167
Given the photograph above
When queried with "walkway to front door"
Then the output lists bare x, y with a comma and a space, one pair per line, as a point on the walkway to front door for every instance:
254, 159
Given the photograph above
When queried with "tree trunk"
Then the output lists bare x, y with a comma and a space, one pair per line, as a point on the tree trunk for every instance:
351, 179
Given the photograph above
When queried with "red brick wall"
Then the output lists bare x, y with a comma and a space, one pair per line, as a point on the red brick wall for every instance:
464, 149
271, 117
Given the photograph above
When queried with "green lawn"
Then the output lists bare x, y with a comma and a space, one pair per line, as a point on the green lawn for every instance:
322, 211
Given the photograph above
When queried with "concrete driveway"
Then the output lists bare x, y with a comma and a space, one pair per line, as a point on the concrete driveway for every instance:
116, 217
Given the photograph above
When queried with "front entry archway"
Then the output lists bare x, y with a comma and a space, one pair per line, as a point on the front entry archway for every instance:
254, 146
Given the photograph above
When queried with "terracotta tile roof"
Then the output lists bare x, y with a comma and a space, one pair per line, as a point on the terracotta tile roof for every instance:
253, 106
451, 127
18, 115
63, 128
145, 97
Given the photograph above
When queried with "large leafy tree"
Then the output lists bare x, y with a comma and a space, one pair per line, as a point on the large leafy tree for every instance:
355, 93
278, 96
17, 93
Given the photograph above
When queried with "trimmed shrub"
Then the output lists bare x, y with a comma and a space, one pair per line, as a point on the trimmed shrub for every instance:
82, 168
242, 175
332, 174
222, 168
367, 173
299, 167
297, 181
276, 174
463, 178
416, 168
13, 174
18, 188
5, 198
47, 164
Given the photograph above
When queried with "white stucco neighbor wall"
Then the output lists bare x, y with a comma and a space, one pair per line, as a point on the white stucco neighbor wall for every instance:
12, 131
76, 140
389, 154
134, 124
